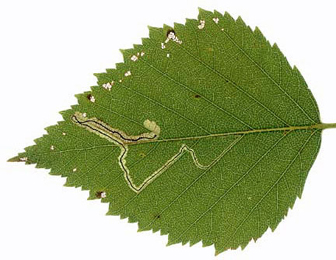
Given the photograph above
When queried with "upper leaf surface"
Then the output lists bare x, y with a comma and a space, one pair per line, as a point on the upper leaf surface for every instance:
204, 132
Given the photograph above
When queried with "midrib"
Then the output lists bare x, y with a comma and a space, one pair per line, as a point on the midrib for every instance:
321, 126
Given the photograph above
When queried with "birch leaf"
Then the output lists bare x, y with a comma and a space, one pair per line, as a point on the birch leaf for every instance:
205, 133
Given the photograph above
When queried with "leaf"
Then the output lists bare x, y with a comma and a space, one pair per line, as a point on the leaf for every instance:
205, 133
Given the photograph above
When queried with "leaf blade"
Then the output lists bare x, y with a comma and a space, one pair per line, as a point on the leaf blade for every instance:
218, 89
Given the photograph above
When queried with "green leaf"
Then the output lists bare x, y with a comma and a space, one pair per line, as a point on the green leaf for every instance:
205, 133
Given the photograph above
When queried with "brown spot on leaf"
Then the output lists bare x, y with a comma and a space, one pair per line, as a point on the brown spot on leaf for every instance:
286, 132
100, 194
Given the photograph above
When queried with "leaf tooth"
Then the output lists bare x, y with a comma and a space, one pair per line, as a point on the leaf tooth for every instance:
257, 32
111, 71
220, 248
65, 112
217, 252
179, 29
184, 242
120, 66
163, 232
218, 14
178, 26
122, 51
249, 29
206, 242
82, 97
94, 88
240, 22
112, 212
194, 241
108, 213
153, 28
84, 187
146, 41
191, 22
50, 128
122, 215
171, 241
40, 164
275, 224
101, 77
202, 13
153, 32
255, 239
68, 183
228, 17
131, 219
126, 53
244, 244
296, 71
137, 49
99, 74
92, 195
165, 28
276, 49
140, 229
155, 229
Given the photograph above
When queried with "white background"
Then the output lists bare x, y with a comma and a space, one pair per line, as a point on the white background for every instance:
49, 51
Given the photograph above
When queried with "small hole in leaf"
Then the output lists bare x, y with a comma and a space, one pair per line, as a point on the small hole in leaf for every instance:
197, 96
170, 31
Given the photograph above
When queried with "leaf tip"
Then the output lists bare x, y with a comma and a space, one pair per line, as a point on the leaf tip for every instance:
19, 158
15, 159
